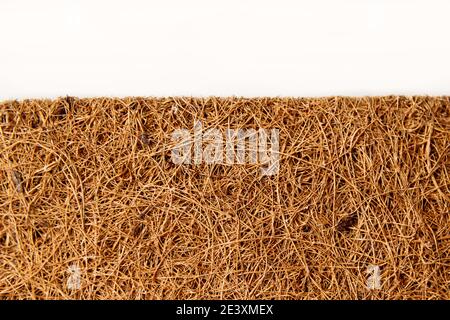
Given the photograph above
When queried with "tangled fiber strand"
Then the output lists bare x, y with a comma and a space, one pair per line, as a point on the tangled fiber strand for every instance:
88, 186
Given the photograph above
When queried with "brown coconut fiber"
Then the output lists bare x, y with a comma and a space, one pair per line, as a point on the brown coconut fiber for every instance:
93, 207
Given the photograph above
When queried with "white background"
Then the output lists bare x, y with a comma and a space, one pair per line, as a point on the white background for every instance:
51, 48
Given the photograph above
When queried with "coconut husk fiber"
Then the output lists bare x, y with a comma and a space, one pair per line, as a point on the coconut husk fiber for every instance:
89, 185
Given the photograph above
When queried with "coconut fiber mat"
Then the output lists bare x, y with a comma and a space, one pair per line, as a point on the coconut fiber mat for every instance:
225, 198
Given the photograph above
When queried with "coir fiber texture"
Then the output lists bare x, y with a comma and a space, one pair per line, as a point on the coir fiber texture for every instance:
93, 207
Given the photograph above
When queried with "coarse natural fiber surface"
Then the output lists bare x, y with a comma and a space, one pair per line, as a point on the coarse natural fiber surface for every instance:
87, 187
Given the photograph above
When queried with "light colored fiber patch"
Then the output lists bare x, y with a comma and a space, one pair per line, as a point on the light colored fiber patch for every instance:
358, 210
